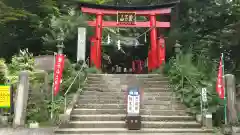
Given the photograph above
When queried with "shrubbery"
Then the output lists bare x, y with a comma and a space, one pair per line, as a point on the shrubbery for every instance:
39, 102
37, 108
188, 74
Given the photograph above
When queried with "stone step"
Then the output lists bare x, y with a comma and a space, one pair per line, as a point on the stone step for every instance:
110, 98
156, 78
85, 111
101, 110
117, 75
121, 93
122, 124
115, 89
121, 101
155, 85
126, 81
128, 76
142, 85
123, 131
121, 117
122, 106
144, 134
120, 82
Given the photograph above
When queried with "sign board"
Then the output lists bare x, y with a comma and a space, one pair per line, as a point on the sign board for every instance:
81, 46
133, 101
5, 96
204, 94
126, 17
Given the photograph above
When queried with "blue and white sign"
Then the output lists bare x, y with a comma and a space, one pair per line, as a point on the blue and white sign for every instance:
133, 101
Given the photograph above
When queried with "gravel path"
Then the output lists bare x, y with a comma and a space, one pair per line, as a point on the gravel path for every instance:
27, 131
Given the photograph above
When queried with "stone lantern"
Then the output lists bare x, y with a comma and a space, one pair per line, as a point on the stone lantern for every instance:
177, 48
60, 39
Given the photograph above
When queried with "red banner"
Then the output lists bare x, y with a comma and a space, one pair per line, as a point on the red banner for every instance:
58, 69
220, 84
161, 51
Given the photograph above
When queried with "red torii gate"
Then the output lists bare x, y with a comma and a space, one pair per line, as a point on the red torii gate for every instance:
156, 55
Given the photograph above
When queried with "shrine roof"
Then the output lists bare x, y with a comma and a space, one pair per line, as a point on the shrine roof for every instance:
112, 7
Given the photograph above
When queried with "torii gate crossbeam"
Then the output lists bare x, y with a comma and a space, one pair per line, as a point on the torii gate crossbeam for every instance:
156, 55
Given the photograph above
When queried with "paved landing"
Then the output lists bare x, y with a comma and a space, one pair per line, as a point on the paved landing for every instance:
27, 131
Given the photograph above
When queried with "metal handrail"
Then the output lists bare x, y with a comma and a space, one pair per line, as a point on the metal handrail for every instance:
75, 78
199, 91
70, 86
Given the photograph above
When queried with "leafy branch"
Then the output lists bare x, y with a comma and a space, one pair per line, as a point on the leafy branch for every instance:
63, 27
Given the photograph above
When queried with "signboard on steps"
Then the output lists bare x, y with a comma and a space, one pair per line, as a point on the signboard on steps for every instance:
133, 101
133, 119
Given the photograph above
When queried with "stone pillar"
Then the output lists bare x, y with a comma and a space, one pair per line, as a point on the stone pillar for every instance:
177, 49
230, 86
21, 100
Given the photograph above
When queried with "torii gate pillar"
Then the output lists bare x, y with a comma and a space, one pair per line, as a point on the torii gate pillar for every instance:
153, 38
98, 33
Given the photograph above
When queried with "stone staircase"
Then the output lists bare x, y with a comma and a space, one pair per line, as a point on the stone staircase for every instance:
101, 108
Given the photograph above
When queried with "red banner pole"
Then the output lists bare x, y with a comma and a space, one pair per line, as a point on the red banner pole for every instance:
53, 87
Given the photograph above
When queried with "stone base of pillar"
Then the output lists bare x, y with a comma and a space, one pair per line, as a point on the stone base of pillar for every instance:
207, 121
3, 121
34, 125
199, 118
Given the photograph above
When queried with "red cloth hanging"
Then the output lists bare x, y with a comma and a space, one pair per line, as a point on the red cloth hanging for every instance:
133, 66
161, 51
140, 68
137, 66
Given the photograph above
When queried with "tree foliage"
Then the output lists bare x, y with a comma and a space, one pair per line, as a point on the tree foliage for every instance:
63, 27
3, 71
207, 27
